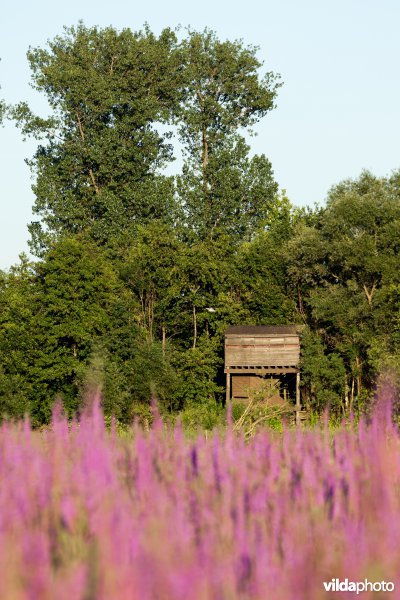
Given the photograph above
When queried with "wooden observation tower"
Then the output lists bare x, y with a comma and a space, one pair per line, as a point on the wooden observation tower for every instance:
255, 353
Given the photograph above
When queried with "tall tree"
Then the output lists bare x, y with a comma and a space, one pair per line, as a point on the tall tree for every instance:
79, 301
221, 188
17, 301
97, 166
347, 266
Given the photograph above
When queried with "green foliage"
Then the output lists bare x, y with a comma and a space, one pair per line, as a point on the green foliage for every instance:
345, 267
15, 400
262, 270
152, 270
222, 190
236, 197
140, 273
78, 295
204, 416
197, 368
323, 373
224, 91
17, 295
101, 150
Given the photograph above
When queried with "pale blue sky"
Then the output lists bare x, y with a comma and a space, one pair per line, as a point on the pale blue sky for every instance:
337, 113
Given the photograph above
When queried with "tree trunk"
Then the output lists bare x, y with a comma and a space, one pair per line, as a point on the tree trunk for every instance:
369, 293
300, 304
164, 339
91, 174
150, 313
346, 394
194, 326
359, 373
352, 394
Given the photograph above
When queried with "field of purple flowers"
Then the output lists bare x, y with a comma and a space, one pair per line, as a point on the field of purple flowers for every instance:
87, 514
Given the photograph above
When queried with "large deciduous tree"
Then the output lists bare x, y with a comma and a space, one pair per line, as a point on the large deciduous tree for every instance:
221, 188
347, 270
97, 166
78, 301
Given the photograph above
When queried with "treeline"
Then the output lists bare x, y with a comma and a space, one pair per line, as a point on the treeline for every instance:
140, 272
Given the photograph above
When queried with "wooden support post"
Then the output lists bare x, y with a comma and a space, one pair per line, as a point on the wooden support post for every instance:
298, 406
228, 388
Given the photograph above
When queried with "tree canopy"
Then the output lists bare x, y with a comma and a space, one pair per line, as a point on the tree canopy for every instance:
346, 268
139, 272
97, 167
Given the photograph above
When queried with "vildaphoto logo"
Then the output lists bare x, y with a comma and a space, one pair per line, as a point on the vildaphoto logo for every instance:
337, 585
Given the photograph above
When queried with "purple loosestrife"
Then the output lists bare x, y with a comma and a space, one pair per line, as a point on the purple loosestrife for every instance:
155, 516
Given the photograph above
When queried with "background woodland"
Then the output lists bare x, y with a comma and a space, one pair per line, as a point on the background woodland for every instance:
138, 271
